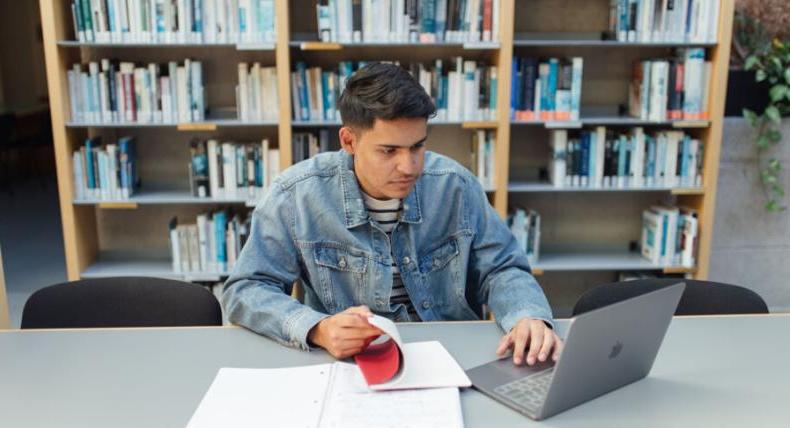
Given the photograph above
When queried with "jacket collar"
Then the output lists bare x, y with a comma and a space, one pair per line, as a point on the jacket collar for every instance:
354, 207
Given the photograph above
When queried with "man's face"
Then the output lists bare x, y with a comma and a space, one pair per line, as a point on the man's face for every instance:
389, 157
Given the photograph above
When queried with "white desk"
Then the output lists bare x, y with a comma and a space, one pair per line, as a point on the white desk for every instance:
714, 371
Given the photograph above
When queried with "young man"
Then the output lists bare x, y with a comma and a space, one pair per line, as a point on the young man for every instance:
383, 227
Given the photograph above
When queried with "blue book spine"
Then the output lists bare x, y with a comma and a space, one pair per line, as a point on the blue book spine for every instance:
685, 157
664, 235
304, 99
220, 225
267, 17
111, 16
258, 168
622, 25
427, 17
492, 99
552, 84
77, 8
650, 163
593, 137
89, 170
445, 87
514, 88
328, 95
102, 158
585, 158
197, 25
123, 150
441, 19
622, 155
243, 20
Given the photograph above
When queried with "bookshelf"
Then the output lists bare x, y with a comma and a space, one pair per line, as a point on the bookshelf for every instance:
128, 237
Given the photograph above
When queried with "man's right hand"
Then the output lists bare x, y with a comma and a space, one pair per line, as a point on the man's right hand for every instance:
346, 333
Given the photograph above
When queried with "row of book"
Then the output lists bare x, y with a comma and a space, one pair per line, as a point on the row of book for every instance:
256, 93
670, 235
546, 90
671, 89
105, 172
232, 170
664, 20
461, 90
604, 158
112, 92
210, 245
425, 21
482, 157
525, 226
174, 21
308, 144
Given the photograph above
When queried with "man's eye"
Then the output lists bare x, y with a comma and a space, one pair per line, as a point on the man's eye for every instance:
388, 151
417, 146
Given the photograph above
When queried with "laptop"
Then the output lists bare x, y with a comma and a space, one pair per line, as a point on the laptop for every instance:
605, 349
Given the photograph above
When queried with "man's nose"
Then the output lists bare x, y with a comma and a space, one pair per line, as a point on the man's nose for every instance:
407, 164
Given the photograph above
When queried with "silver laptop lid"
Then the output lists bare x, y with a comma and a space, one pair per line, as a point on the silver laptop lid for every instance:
610, 347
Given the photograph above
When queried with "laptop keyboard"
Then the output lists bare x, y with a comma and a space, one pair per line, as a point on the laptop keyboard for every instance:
528, 392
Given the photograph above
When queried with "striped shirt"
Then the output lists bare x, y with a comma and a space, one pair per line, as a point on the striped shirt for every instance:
386, 214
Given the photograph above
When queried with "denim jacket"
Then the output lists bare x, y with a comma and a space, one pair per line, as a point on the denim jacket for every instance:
453, 251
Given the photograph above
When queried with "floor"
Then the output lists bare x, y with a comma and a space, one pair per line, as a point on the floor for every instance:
31, 239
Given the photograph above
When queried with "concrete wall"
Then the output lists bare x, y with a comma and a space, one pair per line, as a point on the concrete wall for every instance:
751, 247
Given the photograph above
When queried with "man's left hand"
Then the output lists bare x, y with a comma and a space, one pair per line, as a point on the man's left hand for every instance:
532, 337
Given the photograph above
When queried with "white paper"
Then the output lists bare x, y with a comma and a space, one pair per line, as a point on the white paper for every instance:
351, 404
242, 398
424, 364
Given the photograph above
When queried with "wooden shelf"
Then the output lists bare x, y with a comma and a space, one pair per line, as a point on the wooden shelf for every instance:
516, 187
163, 198
210, 125
600, 260
605, 44
611, 121
113, 45
135, 265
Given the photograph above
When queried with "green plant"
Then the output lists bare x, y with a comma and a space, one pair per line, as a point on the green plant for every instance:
772, 66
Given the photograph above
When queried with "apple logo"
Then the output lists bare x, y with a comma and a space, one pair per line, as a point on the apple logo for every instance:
616, 350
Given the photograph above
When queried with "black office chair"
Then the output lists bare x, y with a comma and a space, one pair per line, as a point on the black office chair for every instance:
699, 298
121, 302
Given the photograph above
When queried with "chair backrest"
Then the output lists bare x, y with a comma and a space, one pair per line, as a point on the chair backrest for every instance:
121, 302
699, 298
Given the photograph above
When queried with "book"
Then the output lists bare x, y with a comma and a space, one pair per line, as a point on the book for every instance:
462, 90
548, 90
602, 157
174, 21
336, 396
407, 21
117, 92
664, 20
105, 172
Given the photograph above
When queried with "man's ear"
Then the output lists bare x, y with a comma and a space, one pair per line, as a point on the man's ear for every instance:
347, 139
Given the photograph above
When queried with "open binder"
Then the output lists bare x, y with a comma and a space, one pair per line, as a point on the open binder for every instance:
414, 384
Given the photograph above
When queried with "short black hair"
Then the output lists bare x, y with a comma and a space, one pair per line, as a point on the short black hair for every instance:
383, 91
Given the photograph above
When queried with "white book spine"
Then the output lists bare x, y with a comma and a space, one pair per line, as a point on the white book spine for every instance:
559, 143
202, 221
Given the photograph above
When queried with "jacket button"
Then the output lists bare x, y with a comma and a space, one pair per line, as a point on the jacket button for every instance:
426, 304
342, 262
437, 262
406, 260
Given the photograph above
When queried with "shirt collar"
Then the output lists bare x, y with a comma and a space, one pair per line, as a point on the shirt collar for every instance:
354, 207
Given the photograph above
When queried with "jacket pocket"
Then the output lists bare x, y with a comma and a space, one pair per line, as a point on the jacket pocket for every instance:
439, 257
343, 276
